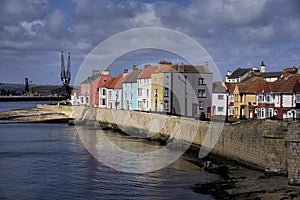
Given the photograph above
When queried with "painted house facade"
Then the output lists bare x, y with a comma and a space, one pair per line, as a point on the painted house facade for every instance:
130, 90
245, 101
144, 87
219, 99
157, 87
89, 94
284, 94
188, 90
110, 95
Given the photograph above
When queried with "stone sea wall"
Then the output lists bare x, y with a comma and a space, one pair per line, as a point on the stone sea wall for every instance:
273, 146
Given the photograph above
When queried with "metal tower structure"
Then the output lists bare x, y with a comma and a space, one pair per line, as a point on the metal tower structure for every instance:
65, 75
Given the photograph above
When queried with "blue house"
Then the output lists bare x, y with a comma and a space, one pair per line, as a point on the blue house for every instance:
130, 90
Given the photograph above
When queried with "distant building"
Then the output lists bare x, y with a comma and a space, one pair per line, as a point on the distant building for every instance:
244, 74
188, 90
144, 87
157, 87
110, 94
245, 98
219, 98
89, 94
297, 97
129, 89
258, 98
240, 74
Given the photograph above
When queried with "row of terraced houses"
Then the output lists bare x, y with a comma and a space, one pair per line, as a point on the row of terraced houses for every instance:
187, 90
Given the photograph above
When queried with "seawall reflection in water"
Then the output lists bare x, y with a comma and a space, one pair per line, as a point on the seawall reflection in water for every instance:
48, 161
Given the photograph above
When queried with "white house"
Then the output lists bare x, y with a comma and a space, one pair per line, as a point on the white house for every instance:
144, 87
219, 99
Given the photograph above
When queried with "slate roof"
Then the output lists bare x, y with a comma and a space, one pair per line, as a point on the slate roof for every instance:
218, 87
239, 72
271, 74
132, 77
146, 73
90, 79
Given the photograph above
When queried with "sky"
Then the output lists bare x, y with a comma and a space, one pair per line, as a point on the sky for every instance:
234, 33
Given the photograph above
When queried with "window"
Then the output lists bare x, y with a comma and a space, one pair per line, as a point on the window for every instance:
260, 98
103, 91
220, 109
201, 81
140, 104
214, 110
103, 102
166, 93
201, 93
298, 98
140, 91
166, 105
147, 93
220, 97
268, 98
167, 80
155, 92
109, 94
201, 105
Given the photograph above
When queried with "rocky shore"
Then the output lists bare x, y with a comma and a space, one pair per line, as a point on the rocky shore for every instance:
33, 115
240, 183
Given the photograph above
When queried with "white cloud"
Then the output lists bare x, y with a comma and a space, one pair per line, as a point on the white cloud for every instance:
31, 28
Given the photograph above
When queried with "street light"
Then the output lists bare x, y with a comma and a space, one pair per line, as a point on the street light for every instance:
185, 95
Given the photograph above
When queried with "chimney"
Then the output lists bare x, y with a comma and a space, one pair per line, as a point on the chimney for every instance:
288, 71
95, 72
205, 65
135, 67
125, 73
181, 68
105, 72
262, 67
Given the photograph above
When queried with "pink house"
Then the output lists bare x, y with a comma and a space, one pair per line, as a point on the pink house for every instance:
89, 94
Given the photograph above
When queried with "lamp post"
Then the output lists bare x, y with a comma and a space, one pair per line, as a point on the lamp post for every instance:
185, 95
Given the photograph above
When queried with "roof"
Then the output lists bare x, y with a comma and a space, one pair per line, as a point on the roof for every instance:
164, 68
297, 86
218, 87
285, 84
191, 68
146, 73
90, 79
239, 72
132, 77
264, 87
251, 86
271, 74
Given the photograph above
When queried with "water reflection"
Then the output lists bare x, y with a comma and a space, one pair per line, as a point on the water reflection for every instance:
47, 161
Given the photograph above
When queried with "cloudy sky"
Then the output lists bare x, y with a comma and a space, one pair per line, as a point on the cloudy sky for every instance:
234, 33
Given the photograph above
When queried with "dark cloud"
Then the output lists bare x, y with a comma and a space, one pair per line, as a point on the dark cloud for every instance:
235, 33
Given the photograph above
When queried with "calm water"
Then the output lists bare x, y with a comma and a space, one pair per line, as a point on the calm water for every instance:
19, 104
48, 161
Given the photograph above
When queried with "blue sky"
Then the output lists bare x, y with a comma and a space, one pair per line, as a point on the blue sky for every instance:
234, 33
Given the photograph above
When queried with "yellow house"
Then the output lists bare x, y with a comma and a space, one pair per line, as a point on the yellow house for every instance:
245, 98
157, 88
